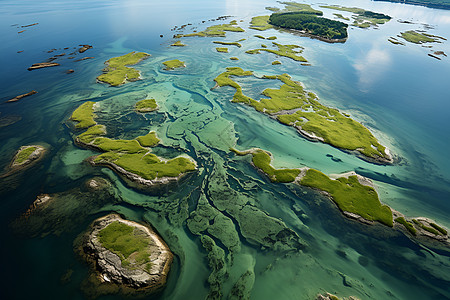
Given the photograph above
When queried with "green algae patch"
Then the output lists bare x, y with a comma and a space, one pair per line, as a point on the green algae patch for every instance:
283, 50
419, 38
173, 64
146, 105
84, 115
24, 155
260, 23
293, 106
439, 228
408, 225
350, 196
131, 159
122, 240
117, 72
148, 140
222, 50
178, 44
214, 31
228, 43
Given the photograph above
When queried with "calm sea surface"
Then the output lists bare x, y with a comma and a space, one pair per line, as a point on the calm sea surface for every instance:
399, 92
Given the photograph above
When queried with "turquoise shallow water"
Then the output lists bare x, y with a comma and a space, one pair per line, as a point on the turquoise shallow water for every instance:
399, 92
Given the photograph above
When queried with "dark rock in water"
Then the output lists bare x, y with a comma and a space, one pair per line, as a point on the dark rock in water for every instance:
144, 270
161, 35
17, 98
20, 51
42, 65
84, 48
34, 24
70, 71
84, 58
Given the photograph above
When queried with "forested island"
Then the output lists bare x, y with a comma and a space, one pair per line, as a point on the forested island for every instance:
310, 23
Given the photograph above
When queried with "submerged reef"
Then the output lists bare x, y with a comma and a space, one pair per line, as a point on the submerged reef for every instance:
130, 158
117, 72
293, 106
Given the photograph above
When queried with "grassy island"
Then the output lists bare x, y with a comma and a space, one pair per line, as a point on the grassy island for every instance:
311, 24
350, 196
117, 72
132, 157
222, 49
347, 192
420, 38
228, 43
146, 105
293, 106
178, 44
234, 58
23, 155
283, 50
260, 23
214, 31
300, 7
173, 64
128, 243
84, 115
276, 62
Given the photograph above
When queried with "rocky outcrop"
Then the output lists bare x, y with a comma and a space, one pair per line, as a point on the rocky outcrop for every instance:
17, 98
141, 275
42, 65
84, 48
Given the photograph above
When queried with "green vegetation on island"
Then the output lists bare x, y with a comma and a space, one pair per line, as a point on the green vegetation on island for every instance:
394, 41
23, 155
276, 62
340, 16
283, 50
127, 243
178, 44
222, 49
234, 58
117, 72
350, 196
310, 24
84, 115
433, 228
173, 64
214, 31
293, 106
259, 36
347, 192
408, 225
420, 38
148, 140
146, 105
271, 38
260, 23
364, 18
228, 43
